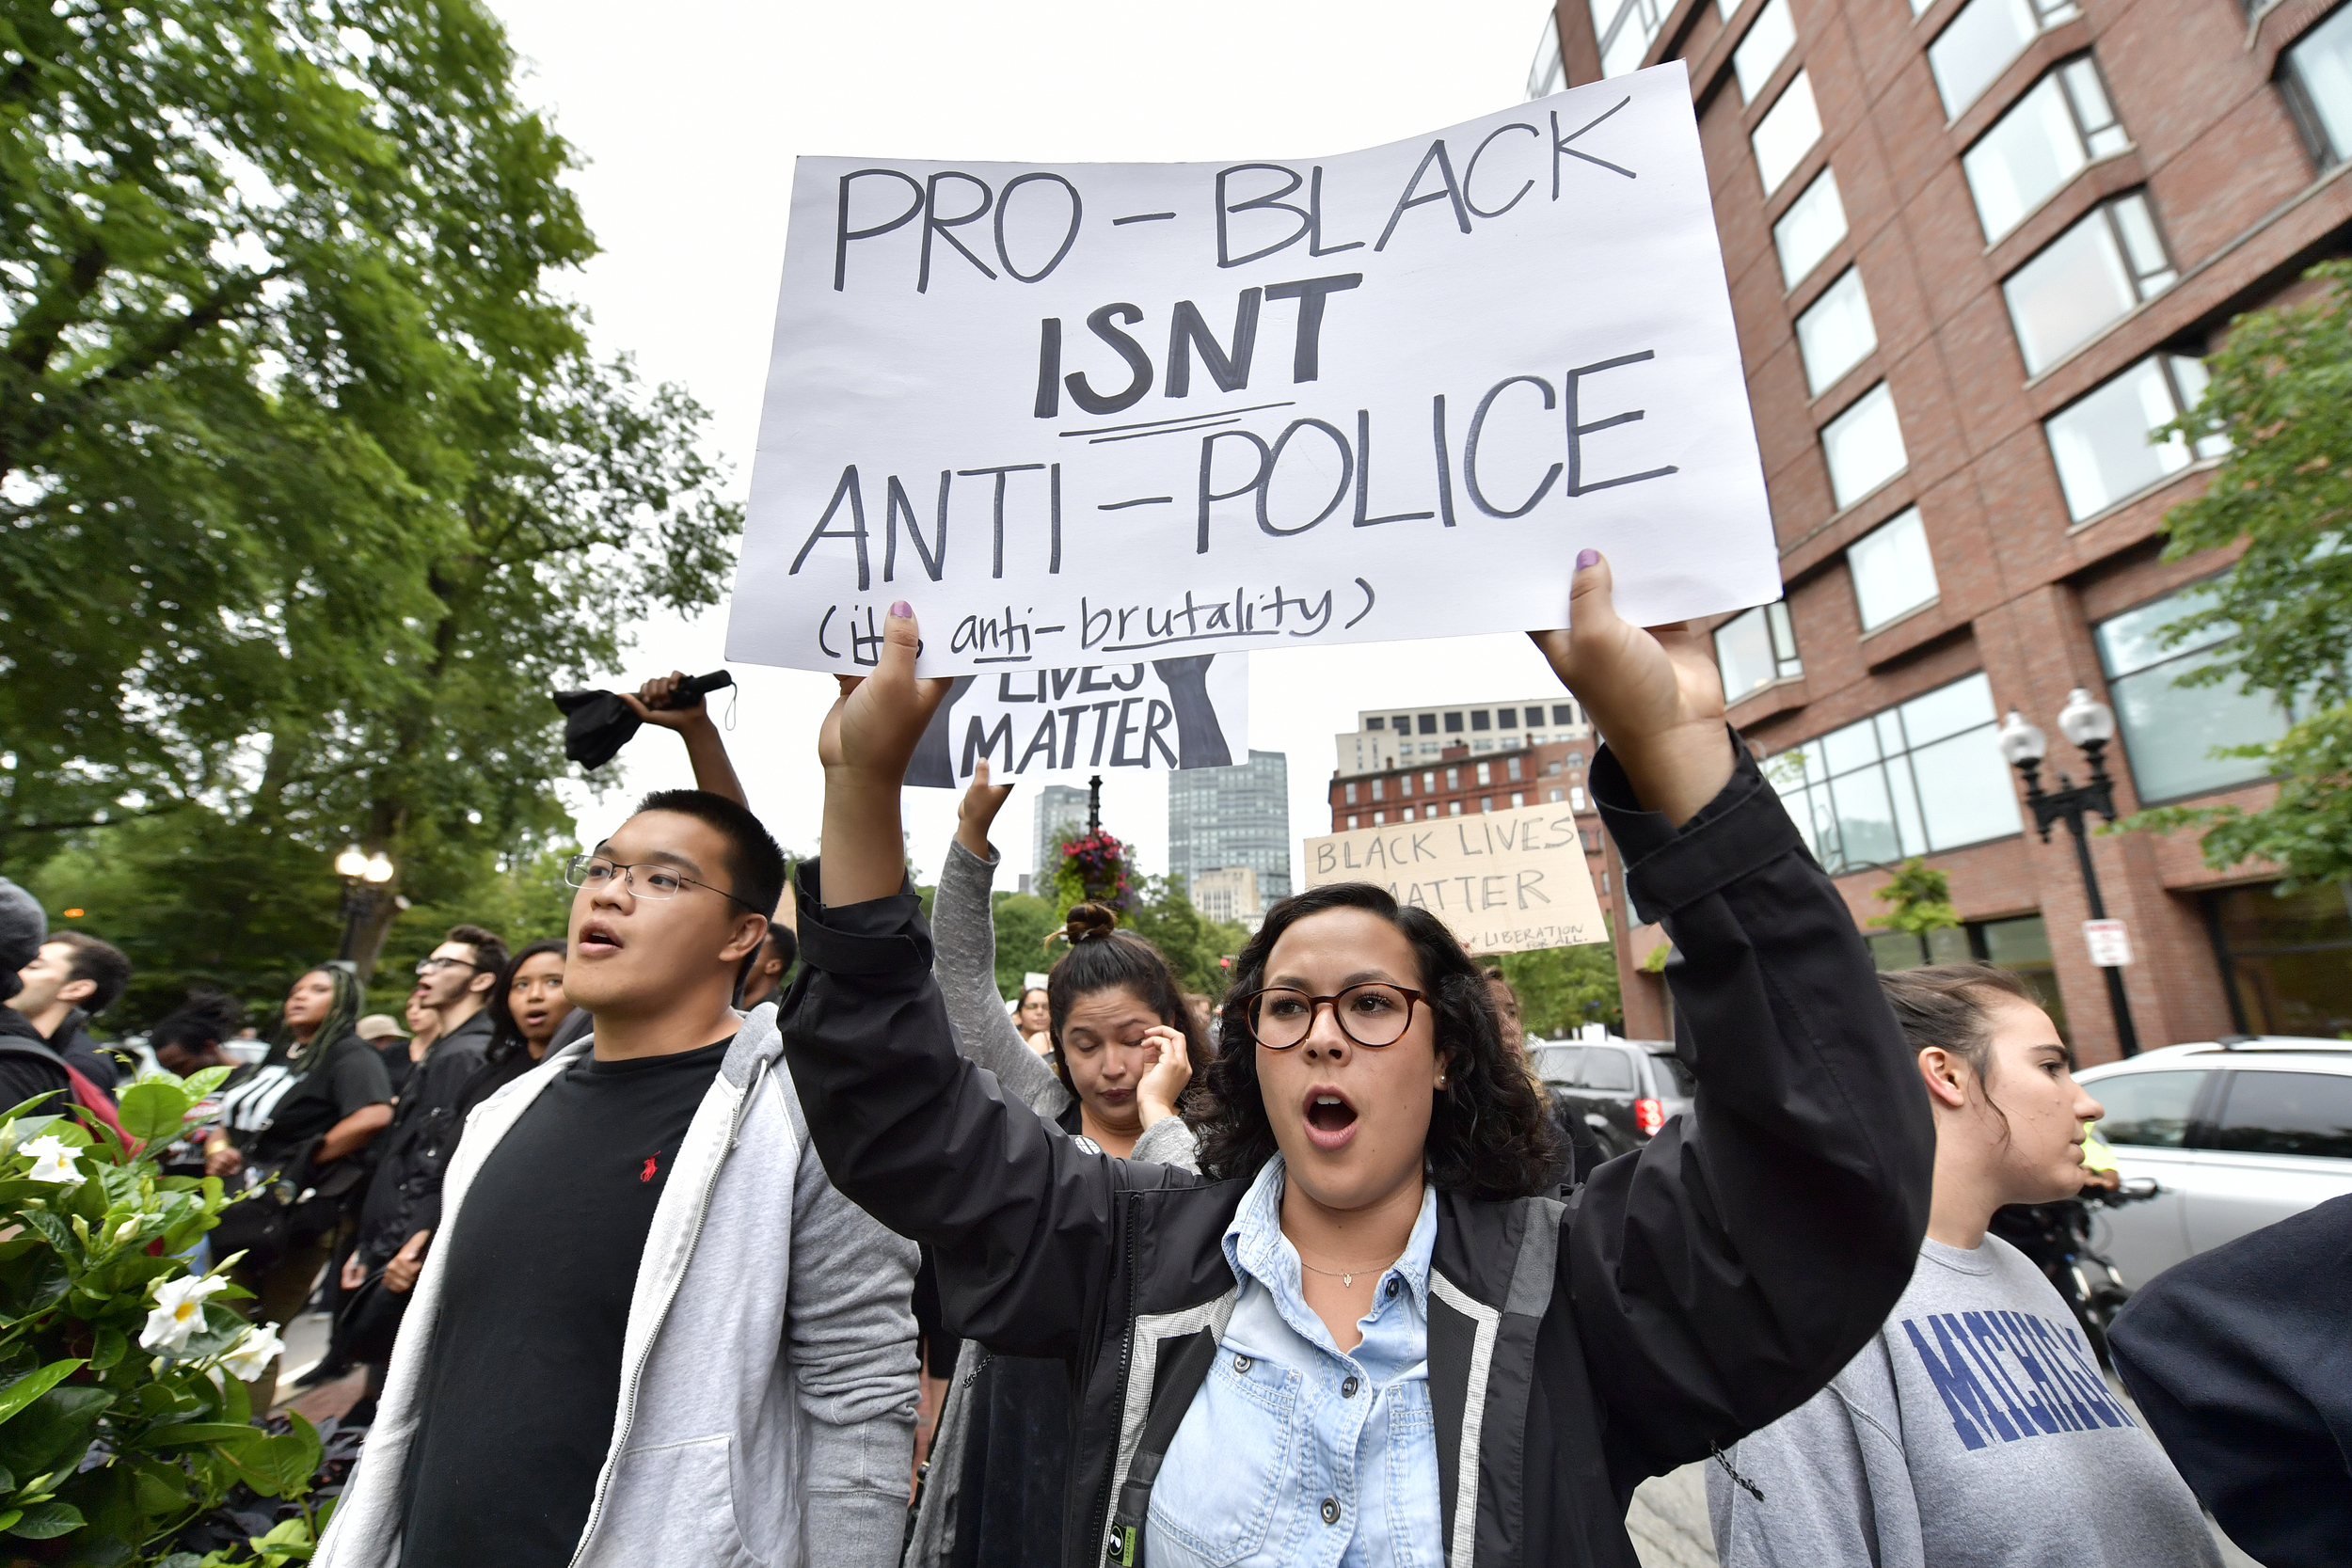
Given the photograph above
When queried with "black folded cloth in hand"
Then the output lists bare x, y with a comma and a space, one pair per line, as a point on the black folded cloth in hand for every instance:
596, 723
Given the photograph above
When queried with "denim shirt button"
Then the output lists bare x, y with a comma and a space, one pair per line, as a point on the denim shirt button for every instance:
1242, 1365
1391, 1287
1347, 1389
1330, 1511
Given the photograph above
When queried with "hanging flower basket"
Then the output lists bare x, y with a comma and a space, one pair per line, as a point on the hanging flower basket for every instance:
1094, 866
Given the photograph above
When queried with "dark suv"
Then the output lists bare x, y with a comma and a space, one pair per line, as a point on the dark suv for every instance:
1623, 1089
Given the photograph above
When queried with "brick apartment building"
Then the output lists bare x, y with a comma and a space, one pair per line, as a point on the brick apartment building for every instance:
1976, 250
1407, 764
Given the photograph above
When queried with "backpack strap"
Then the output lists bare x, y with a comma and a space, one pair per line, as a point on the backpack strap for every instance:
1180, 1382
94, 1103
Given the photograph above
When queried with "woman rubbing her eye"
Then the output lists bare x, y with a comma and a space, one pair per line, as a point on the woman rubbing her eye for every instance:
1358, 1334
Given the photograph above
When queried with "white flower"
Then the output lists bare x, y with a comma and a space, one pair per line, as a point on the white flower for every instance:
179, 1311
254, 1353
53, 1159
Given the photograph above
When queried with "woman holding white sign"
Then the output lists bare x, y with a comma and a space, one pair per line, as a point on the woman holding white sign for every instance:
1355, 1334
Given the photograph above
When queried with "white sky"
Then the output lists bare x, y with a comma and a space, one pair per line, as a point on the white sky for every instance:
689, 116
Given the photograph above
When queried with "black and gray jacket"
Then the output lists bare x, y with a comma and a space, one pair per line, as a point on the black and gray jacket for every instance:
1694, 1290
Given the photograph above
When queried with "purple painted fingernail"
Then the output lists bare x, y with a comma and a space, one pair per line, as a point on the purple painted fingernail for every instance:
1587, 557
901, 609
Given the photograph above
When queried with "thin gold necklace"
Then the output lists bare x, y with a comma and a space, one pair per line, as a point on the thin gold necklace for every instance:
1347, 1276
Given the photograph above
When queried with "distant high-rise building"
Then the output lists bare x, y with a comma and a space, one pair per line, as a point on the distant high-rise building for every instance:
1228, 816
1397, 737
1229, 893
1059, 806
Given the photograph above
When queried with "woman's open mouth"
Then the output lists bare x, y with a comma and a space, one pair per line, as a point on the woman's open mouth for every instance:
1330, 1119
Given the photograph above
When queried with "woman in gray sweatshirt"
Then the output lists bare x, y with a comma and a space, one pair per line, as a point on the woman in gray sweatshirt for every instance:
1124, 1043
1976, 1430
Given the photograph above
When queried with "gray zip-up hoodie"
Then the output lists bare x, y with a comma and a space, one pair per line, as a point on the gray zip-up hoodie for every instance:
768, 1377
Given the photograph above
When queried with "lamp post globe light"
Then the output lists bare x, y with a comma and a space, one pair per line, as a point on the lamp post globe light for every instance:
363, 876
2089, 723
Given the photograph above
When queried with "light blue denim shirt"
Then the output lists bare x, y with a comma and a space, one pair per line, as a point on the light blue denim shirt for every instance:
1294, 1453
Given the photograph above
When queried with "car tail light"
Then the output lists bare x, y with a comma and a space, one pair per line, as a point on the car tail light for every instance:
1649, 1115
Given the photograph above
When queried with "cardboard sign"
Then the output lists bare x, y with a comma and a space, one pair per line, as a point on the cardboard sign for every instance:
1032, 722
1091, 412
1503, 881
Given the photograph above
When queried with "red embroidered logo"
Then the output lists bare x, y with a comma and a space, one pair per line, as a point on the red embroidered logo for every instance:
648, 1173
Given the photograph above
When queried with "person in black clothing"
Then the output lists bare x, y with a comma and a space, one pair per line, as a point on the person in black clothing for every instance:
74, 978
297, 1126
2238, 1360
29, 1071
1369, 1157
527, 1008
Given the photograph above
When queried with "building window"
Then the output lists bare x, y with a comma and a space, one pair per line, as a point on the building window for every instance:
1429, 783
1508, 718
1548, 74
1981, 40
1379, 817
1453, 724
1575, 798
1485, 772
1786, 133
1425, 723
1812, 226
2288, 960
1769, 39
1921, 777
2086, 278
2019, 944
1555, 795
2100, 442
1892, 570
1835, 332
1518, 799
1376, 787
1481, 745
1405, 786
1351, 824
1562, 713
1755, 648
2318, 82
1351, 794
1513, 765
1453, 778
1372, 724
1864, 445
1486, 803
1479, 720
1575, 759
1624, 29
1454, 808
1408, 814
2170, 731
2041, 143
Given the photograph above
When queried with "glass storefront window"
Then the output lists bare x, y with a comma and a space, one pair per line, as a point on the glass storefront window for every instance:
2288, 960
2019, 944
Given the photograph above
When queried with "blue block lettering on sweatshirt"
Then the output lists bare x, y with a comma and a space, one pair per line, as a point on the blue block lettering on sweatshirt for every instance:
2007, 1376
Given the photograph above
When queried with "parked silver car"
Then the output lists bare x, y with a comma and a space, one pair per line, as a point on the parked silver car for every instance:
2238, 1133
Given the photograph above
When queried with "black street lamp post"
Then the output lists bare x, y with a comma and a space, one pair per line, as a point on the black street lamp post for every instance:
2089, 724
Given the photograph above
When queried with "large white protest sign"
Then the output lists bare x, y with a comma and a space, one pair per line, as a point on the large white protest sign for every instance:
1503, 881
1084, 412
1034, 721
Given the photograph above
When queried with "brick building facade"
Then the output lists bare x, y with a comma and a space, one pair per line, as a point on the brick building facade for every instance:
1975, 251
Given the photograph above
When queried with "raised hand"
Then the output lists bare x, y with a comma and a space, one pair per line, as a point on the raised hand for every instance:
1653, 692
658, 702
980, 804
865, 743
1158, 1090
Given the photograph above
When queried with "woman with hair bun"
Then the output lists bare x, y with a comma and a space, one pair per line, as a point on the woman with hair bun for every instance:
1119, 1048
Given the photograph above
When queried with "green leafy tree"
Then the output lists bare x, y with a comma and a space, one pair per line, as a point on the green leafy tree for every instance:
1562, 988
2281, 393
1920, 901
1023, 923
310, 490
1164, 914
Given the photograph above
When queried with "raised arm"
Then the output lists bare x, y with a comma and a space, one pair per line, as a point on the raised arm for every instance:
657, 702
964, 932
1019, 1219
1753, 1247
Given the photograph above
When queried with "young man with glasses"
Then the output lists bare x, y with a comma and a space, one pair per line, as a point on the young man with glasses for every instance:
403, 1205
652, 1333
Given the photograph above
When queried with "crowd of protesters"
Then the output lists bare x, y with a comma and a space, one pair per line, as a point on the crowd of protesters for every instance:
654, 1242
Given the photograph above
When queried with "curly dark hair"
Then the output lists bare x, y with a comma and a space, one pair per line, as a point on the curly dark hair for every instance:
1491, 1136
